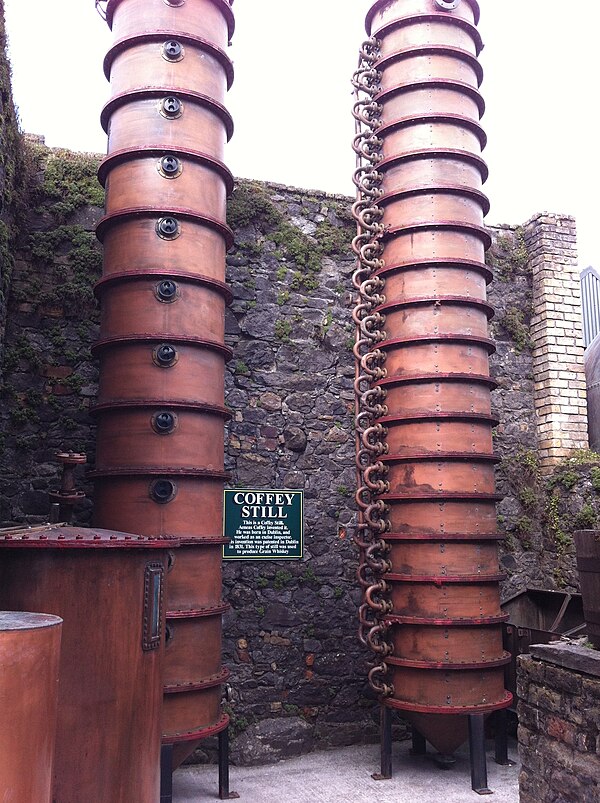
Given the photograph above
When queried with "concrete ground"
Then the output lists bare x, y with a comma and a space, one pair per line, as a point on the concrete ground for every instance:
343, 775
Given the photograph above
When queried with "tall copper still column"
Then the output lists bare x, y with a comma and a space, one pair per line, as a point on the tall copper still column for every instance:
159, 461
428, 535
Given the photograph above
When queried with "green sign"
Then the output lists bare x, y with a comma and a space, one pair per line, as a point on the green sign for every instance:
263, 525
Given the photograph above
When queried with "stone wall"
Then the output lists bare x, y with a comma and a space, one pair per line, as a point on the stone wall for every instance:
299, 674
559, 724
11, 178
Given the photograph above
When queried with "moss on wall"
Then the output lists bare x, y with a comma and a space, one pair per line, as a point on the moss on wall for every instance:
251, 204
13, 176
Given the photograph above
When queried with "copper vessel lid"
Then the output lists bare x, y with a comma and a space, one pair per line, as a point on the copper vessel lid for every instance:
24, 620
63, 536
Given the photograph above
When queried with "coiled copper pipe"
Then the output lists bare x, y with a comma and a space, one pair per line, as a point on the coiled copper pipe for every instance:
429, 562
160, 412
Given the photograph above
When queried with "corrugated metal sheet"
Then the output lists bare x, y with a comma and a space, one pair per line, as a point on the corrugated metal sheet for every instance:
590, 304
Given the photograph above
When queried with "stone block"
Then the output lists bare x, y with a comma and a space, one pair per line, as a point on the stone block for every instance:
271, 740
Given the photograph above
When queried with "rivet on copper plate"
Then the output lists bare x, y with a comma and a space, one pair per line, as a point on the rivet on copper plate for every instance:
97, 538
61, 538
113, 538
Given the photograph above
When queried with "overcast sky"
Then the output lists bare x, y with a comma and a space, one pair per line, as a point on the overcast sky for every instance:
292, 99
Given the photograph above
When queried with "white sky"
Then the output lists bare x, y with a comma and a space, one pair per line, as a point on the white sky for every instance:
291, 99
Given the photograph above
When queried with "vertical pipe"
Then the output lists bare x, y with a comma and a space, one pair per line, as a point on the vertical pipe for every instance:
426, 464
159, 462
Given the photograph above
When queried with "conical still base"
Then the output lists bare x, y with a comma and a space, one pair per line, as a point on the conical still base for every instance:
182, 751
446, 733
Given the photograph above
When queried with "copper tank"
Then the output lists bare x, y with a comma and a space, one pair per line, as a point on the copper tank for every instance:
108, 588
427, 535
29, 657
160, 412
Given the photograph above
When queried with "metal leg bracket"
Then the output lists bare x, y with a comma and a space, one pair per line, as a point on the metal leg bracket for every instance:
477, 753
386, 745
224, 793
166, 773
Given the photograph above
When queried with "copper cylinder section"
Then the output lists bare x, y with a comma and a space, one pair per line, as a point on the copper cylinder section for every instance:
160, 412
437, 460
29, 657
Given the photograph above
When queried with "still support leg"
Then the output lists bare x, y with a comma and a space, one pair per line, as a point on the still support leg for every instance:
386, 745
419, 743
166, 773
501, 738
477, 753
224, 793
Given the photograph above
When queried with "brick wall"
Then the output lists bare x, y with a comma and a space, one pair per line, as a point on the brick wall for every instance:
559, 722
557, 337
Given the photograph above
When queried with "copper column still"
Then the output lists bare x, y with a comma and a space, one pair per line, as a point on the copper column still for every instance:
428, 538
159, 461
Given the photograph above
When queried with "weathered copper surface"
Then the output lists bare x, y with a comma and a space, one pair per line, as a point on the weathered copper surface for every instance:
129, 372
141, 307
450, 472
125, 501
439, 392
29, 658
134, 245
133, 64
200, 182
441, 513
136, 120
195, 578
438, 279
439, 432
188, 711
452, 353
110, 686
383, 12
433, 643
442, 558
210, 19
434, 472
160, 412
441, 314
196, 440
184, 632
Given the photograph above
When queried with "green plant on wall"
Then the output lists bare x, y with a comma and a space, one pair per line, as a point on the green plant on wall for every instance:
250, 204
515, 325
79, 268
70, 182
508, 255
